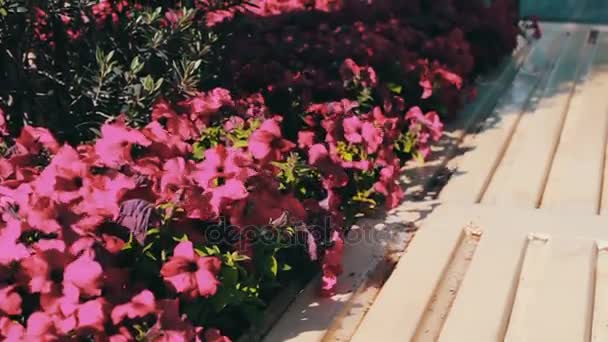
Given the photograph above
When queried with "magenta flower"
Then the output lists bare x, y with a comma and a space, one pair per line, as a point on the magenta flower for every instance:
178, 125
91, 315
197, 203
10, 249
85, 274
351, 72
220, 164
429, 121
190, 273
164, 144
114, 146
175, 175
171, 325
11, 330
388, 185
232, 190
267, 143
3, 124
141, 305
357, 131
64, 178
10, 301
332, 265
35, 139
40, 327
44, 270
203, 105
333, 174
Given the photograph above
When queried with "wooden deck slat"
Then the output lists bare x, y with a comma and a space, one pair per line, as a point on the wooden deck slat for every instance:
530, 274
475, 167
549, 296
575, 177
482, 306
604, 197
560, 310
521, 175
599, 332
405, 296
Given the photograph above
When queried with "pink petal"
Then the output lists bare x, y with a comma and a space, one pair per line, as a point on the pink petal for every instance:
184, 250
10, 301
85, 274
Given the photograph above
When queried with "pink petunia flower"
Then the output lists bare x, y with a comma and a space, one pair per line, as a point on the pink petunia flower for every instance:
64, 178
45, 270
11, 330
222, 163
429, 121
357, 131
10, 301
114, 146
3, 124
332, 265
178, 125
10, 249
203, 105
190, 273
40, 327
85, 274
141, 305
267, 142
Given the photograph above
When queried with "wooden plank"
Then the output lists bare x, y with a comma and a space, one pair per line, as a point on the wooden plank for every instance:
429, 327
521, 175
599, 332
575, 178
530, 274
604, 197
474, 168
405, 296
483, 303
551, 297
560, 310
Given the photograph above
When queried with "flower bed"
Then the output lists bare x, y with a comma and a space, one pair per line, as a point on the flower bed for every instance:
166, 170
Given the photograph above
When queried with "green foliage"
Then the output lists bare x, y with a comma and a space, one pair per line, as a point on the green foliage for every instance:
64, 67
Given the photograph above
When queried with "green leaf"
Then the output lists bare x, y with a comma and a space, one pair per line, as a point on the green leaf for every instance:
198, 151
230, 276
273, 265
109, 56
395, 88
159, 83
99, 56
136, 65
148, 83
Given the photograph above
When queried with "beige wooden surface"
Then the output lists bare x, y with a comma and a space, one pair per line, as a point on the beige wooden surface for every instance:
521, 174
475, 167
580, 154
549, 149
544, 292
600, 312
